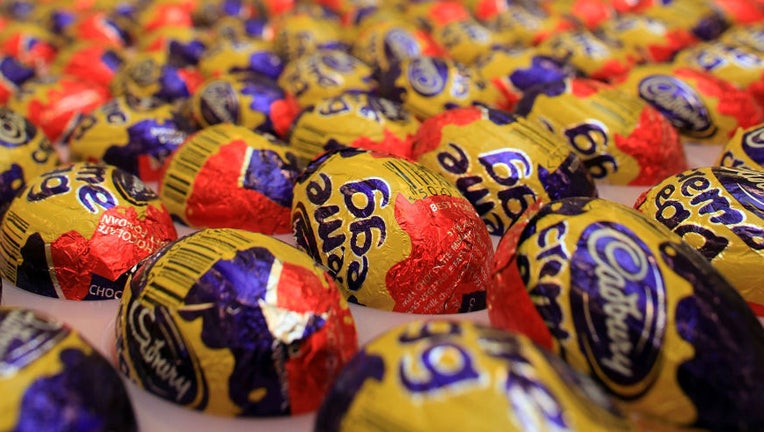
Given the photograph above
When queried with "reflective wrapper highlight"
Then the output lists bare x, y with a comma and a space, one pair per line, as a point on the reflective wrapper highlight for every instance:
744, 150
501, 163
53, 379
75, 231
230, 176
253, 327
624, 299
396, 235
621, 139
442, 373
720, 212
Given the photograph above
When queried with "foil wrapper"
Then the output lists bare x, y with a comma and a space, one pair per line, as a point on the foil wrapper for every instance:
528, 24
720, 212
74, 232
184, 46
440, 373
703, 108
248, 55
89, 61
744, 150
385, 42
150, 75
230, 176
53, 379
367, 122
30, 44
621, 297
501, 163
654, 39
396, 235
300, 32
704, 19
250, 326
55, 102
25, 152
12, 75
245, 99
324, 74
427, 85
136, 135
621, 139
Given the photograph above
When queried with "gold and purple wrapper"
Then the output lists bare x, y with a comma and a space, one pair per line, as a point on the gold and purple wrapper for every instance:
441, 373
74, 231
744, 150
396, 235
234, 323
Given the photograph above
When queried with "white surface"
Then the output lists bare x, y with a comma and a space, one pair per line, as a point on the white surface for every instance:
95, 321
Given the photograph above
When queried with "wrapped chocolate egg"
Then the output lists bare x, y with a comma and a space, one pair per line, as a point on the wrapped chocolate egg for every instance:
12, 75
621, 139
592, 54
384, 42
720, 212
739, 65
621, 297
301, 32
427, 85
396, 235
368, 122
183, 45
439, 372
703, 108
234, 323
89, 61
324, 74
514, 70
98, 27
702, 18
751, 36
25, 152
249, 55
230, 176
30, 44
528, 24
465, 40
501, 163
54, 379
137, 135
246, 99
654, 39
589, 14
55, 102
73, 232
149, 74
744, 150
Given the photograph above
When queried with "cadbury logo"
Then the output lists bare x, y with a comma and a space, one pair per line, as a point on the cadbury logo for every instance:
753, 144
427, 76
24, 338
13, 130
618, 307
678, 102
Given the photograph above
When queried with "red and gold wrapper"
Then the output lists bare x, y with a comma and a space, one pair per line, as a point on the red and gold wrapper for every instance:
137, 135
744, 150
299, 32
357, 120
432, 15
589, 14
89, 61
652, 38
622, 298
384, 42
54, 103
25, 152
230, 176
425, 86
513, 71
98, 27
739, 65
741, 12
249, 327
164, 13
53, 378
730, 237
502, 164
244, 99
703, 108
466, 40
250, 55
324, 74
596, 57
528, 25
30, 44
396, 235
75, 231
183, 45
149, 74
439, 372
621, 139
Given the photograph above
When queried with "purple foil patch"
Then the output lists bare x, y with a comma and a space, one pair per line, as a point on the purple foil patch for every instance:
753, 144
270, 175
